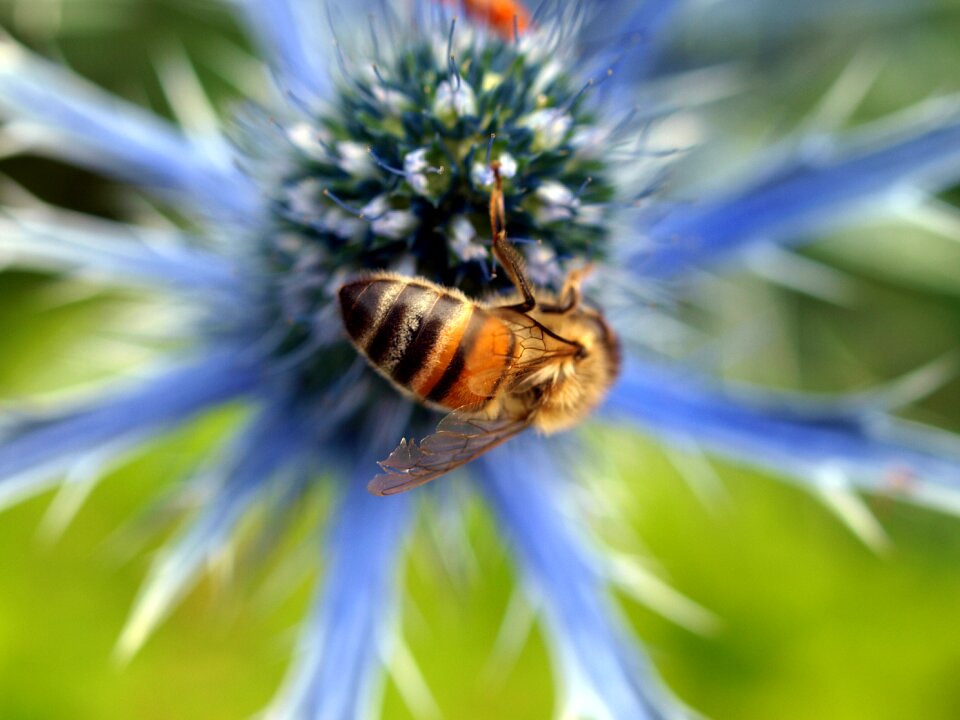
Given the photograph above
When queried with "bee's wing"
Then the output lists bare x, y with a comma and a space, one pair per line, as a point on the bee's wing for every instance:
457, 441
533, 351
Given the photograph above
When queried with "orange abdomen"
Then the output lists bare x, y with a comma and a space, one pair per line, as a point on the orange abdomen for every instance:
441, 348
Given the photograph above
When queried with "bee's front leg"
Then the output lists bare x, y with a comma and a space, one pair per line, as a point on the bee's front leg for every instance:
570, 295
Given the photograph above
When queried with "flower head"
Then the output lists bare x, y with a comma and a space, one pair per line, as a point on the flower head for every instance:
383, 154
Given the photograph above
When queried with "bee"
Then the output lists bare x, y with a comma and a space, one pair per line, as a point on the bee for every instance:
532, 360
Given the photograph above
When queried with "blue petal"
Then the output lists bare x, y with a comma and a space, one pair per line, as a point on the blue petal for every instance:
626, 34
800, 193
272, 441
604, 674
36, 451
290, 38
122, 254
83, 123
787, 434
345, 639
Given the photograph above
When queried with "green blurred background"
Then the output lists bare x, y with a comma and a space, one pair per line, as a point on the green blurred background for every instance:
809, 622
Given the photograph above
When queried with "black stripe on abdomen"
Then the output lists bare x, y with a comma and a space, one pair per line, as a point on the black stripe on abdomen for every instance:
400, 324
361, 304
455, 368
446, 310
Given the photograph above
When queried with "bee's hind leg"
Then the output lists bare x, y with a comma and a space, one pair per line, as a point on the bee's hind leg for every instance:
504, 252
507, 255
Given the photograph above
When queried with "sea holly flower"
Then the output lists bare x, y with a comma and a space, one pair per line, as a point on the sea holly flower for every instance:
375, 152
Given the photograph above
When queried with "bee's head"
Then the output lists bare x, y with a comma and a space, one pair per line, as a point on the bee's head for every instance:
582, 380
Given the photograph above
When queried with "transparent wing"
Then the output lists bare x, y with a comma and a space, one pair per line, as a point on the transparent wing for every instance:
457, 441
535, 350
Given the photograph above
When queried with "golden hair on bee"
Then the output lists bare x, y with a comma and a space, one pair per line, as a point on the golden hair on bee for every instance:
532, 359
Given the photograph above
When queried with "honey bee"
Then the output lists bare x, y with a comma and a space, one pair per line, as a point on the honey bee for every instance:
537, 360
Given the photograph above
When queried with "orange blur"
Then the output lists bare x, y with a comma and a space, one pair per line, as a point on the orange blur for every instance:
498, 14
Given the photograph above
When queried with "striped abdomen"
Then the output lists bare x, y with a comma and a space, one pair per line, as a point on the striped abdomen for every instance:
437, 345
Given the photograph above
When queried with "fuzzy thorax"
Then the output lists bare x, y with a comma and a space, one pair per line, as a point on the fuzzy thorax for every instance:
573, 388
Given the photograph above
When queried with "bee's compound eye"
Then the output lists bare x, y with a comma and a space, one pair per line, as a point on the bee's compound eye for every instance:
582, 353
